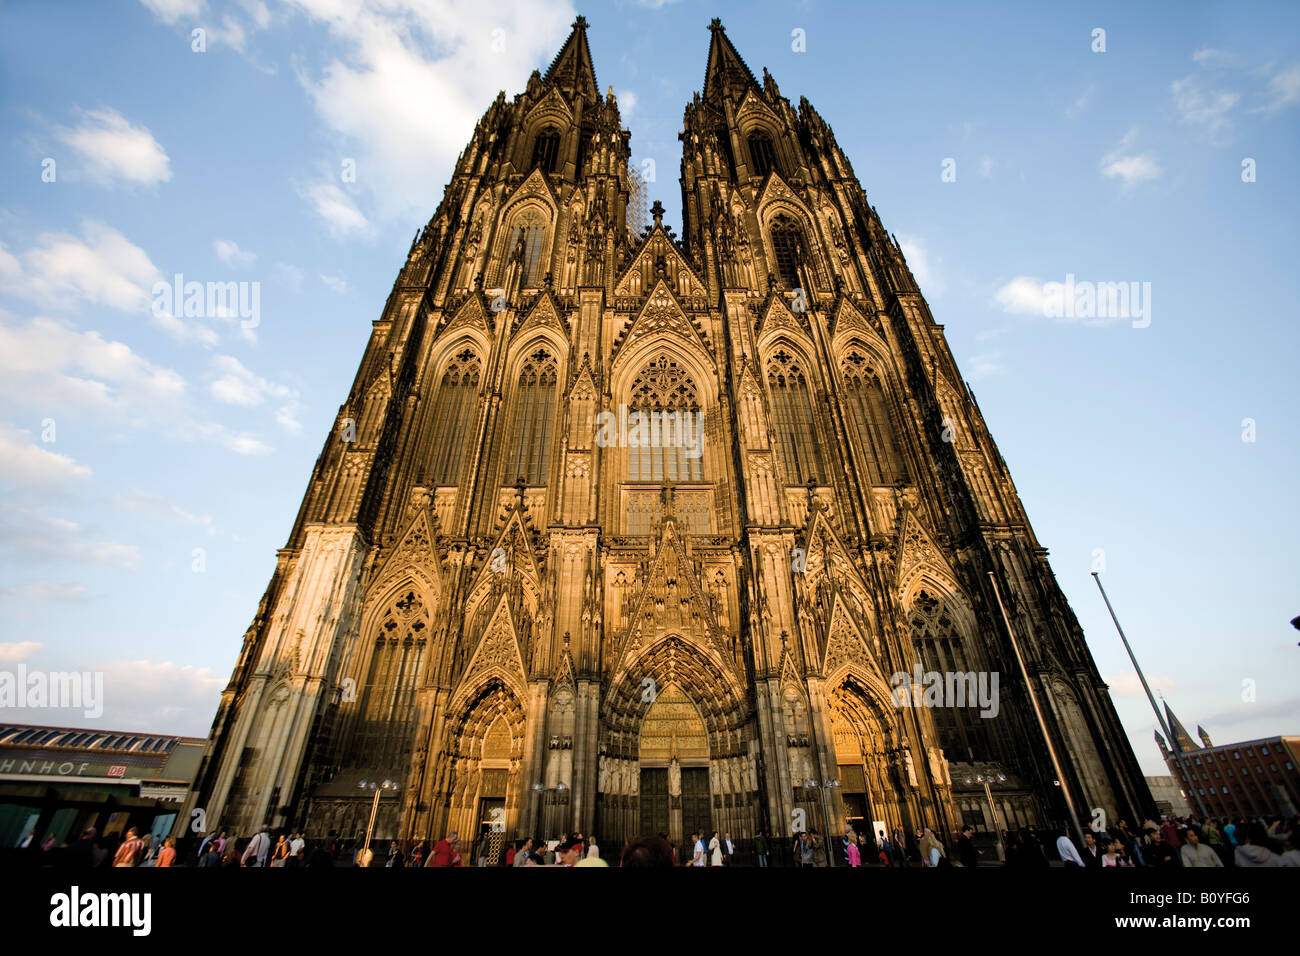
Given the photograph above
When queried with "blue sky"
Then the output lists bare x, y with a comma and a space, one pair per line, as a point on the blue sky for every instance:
172, 433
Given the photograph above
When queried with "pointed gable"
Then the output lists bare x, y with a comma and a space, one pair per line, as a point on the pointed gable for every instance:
534, 186
511, 557
777, 190
661, 313
642, 272
551, 108
777, 315
845, 644
472, 314
669, 599
497, 654
917, 551
415, 555
545, 313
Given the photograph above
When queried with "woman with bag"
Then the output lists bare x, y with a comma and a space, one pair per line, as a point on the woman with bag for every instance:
932, 852
715, 850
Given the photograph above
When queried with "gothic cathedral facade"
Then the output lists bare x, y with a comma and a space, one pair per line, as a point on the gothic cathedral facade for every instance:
532, 621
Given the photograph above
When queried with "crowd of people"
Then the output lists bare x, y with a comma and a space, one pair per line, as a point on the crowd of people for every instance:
1176, 842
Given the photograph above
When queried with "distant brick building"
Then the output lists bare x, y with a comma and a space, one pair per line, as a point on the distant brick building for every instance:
1252, 778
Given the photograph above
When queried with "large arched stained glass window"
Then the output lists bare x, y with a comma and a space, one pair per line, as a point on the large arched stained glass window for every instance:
528, 453
525, 248
871, 417
792, 413
383, 722
787, 249
455, 410
666, 438
940, 648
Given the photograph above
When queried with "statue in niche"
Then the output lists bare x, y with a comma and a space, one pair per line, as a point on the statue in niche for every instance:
674, 778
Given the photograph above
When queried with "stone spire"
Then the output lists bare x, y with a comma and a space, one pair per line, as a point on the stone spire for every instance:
572, 70
726, 71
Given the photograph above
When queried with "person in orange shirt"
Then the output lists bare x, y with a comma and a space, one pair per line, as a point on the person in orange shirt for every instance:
167, 854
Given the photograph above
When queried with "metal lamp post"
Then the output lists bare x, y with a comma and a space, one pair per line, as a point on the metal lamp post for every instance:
1038, 711
379, 789
988, 793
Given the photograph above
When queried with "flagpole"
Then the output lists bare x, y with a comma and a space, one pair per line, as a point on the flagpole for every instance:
1038, 712
1160, 719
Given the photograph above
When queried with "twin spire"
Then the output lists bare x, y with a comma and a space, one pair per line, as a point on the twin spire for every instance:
572, 69
573, 72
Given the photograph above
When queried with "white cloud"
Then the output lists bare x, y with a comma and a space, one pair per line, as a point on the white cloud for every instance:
1205, 108
235, 384
153, 506
56, 369
336, 284
48, 365
112, 149
101, 267
160, 695
290, 275
143, 696
228, 251
1126, 684
627, 104
12, 652
985, 365
173, 11
1023, 295
43, 591
1130, 168
34, 537
336, 207
1283, 90
1080, 104
923, 269
413, 79
27, 465
1209, 57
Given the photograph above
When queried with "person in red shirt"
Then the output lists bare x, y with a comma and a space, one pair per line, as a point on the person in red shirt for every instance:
131, 850
446, 852
168, 853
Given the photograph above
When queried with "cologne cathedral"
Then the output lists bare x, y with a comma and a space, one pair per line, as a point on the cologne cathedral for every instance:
526, 629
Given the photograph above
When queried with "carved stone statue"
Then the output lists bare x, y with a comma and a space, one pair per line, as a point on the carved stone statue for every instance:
674, 778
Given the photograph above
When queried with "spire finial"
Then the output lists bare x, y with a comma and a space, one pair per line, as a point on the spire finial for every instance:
657, 210
580, 23
716, 25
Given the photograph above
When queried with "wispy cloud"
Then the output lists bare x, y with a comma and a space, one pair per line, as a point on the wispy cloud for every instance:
1130, 167
228, 251
1208, 109
110, 149
1283, 90
25, 464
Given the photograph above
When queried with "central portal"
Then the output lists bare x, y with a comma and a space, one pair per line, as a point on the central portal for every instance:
674, 755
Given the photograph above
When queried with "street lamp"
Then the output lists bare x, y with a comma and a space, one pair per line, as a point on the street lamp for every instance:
985, 780
378, 789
